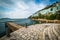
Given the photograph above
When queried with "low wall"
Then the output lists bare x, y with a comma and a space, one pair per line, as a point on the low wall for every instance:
47, 21
13, 26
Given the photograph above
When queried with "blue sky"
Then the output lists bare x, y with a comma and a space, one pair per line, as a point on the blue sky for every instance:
21, 8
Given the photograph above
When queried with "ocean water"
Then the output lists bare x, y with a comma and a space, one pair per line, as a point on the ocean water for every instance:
21, 22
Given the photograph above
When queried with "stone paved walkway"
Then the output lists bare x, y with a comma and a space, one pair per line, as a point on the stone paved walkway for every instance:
36, 32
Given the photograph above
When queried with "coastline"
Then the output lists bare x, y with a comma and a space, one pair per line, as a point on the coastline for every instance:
47, 21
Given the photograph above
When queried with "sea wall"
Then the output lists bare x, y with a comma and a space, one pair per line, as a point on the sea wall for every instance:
47, 21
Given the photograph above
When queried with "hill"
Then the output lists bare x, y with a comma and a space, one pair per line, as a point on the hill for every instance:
50, 12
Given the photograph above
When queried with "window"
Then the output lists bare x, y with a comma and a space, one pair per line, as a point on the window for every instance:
57, 8
51, 9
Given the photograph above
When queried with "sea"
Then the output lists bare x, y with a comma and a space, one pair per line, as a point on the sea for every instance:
21, 22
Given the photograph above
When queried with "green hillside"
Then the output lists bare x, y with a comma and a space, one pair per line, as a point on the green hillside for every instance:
50, 12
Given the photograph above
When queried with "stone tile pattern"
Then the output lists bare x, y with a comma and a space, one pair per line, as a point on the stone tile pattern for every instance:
36, 32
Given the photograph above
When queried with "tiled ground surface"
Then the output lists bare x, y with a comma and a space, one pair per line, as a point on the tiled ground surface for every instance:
36, 32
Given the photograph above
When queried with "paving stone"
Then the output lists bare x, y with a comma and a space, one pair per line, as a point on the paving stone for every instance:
35, 32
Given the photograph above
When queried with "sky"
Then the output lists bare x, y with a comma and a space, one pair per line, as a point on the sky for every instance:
22, 8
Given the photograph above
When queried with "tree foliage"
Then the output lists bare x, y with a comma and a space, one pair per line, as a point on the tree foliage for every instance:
49, 16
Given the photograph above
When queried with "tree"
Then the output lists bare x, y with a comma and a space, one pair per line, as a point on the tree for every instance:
39, 15
58, 15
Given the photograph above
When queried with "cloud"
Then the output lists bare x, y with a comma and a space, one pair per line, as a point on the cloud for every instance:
21, 8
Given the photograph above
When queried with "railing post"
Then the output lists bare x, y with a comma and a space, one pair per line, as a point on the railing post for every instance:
26, 25
7, 30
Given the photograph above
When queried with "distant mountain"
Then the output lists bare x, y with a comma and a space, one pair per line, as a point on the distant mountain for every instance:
4, 18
